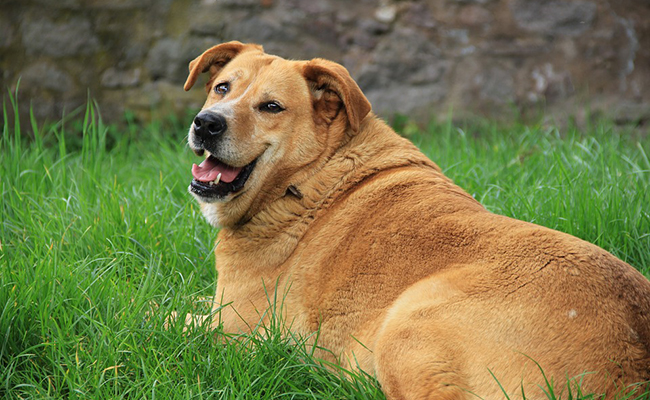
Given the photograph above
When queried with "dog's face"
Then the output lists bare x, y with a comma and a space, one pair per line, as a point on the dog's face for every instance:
265, 121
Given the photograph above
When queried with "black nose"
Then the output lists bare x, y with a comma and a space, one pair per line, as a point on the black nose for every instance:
207, 125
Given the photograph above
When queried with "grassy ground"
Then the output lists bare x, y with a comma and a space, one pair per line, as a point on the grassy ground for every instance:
96, 223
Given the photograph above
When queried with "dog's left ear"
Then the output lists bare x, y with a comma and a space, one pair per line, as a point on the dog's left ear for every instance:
331, 85
214, 59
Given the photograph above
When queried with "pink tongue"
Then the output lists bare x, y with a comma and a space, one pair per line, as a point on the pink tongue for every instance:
210, 168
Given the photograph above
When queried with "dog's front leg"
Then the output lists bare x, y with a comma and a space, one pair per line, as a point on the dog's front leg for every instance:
190, 318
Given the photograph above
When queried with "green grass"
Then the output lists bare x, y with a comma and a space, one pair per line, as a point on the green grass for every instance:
96, 226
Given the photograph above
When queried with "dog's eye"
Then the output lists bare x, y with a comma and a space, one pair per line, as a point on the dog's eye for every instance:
222, 88
271, 107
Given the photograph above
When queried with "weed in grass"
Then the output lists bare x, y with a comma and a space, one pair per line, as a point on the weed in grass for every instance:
96, 225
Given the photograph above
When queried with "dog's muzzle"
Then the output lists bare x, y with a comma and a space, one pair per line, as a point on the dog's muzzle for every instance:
213, 178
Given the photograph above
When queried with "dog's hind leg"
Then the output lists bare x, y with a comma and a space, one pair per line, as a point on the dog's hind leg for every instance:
420, 349
415, 365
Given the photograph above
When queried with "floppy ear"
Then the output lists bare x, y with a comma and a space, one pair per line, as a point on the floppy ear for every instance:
331, 85
215, 58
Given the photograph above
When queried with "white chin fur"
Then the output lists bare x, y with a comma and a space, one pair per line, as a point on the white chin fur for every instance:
210, 213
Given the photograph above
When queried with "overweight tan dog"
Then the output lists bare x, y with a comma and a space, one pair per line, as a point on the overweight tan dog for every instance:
405, 274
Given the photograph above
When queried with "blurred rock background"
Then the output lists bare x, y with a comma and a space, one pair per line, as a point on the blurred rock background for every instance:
494, 58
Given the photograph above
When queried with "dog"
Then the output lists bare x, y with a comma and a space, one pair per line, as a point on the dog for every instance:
404, 274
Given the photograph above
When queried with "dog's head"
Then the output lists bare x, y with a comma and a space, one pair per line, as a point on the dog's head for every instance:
265, 123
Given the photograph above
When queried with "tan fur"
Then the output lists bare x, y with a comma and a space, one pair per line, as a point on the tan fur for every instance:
402, 271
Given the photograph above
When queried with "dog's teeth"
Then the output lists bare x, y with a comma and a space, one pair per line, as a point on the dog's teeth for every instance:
216, 181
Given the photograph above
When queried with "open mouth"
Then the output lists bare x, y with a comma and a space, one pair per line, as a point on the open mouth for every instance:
215, 179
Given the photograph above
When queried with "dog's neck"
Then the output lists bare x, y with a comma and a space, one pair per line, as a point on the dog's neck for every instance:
286, 219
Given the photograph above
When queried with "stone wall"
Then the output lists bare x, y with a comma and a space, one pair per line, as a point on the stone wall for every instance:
420, 57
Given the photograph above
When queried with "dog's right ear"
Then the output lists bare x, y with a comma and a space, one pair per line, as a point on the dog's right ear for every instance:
214, 59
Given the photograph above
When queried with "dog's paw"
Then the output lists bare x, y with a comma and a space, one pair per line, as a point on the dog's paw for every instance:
170, 320
150, 312
191, 320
